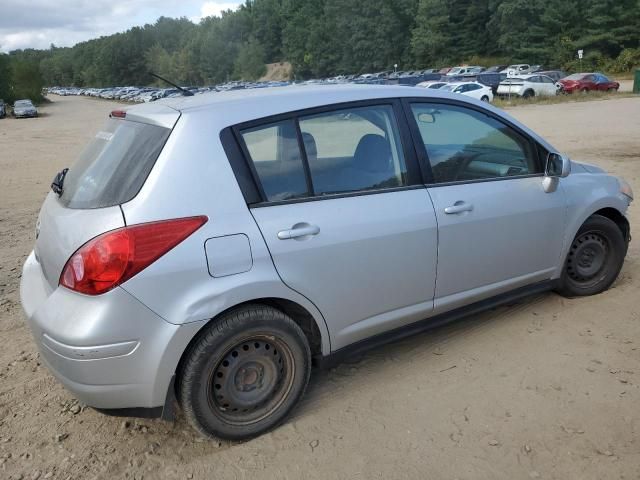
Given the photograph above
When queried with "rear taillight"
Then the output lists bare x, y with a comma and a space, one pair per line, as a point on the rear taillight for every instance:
114, 257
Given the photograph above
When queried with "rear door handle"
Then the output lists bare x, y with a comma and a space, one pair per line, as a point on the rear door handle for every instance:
299, 230
458, 207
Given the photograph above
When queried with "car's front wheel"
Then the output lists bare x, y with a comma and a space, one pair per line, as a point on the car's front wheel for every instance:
485, 99
594, 259
245, 373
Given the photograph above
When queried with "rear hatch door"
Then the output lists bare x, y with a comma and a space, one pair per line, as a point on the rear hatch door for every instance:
110, 171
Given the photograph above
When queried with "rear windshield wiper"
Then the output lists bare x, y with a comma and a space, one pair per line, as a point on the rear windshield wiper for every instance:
58, 181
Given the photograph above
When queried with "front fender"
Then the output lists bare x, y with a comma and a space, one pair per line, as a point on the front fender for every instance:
586, 194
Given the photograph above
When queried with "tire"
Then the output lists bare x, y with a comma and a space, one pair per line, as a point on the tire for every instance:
229, 386
485, 99
528, 94
584, 91
594, 260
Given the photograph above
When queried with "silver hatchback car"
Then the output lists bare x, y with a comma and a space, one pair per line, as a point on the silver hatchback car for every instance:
205, 251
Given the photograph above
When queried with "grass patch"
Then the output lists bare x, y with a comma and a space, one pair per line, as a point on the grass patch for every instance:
516, 101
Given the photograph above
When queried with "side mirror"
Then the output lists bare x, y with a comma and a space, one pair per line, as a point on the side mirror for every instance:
557, 166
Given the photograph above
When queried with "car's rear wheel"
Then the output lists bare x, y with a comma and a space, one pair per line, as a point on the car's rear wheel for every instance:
485, 99
245, 373
528, 94
595, 258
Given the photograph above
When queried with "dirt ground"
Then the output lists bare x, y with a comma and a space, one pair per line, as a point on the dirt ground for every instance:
547, 388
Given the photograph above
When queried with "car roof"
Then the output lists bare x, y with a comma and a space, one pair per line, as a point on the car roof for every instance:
249, 104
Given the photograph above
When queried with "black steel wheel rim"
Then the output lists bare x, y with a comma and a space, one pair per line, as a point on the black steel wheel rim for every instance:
251, 380
588, 258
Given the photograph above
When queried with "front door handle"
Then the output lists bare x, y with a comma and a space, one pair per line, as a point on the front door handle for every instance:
458, 207
299, 230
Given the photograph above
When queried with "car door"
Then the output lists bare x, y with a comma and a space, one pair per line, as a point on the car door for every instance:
497, 228
345, 216
547, 85
602, 83
473, 90
534, 84
589, 82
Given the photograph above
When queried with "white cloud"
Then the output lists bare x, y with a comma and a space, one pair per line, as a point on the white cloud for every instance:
67, 22
215, 9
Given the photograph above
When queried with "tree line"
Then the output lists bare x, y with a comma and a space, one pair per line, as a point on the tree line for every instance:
328, 37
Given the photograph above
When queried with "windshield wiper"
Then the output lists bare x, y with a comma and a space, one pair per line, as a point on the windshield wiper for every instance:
58, 182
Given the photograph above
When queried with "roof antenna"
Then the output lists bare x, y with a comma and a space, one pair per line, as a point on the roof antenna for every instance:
184, 91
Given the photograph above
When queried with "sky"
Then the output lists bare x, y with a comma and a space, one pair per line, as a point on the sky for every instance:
39, 23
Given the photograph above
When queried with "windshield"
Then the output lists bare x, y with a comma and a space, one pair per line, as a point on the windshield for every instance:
449, 88
23, 103
114, 166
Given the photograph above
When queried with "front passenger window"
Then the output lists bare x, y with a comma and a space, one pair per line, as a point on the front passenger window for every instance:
465, 145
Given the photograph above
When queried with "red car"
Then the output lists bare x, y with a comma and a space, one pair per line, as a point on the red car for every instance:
587, 82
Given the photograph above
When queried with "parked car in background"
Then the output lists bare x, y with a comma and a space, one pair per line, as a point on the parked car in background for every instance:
24, 108
517, 70
431, 84
200, 256
527, 86
556, 75
465, 70
495, 69
470, 89
491, 79
3, 109
588, 82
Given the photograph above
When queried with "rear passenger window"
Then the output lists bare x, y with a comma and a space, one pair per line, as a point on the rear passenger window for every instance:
353, 150
276, 158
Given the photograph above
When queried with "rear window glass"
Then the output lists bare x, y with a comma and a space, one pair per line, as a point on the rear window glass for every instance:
277, 160
114, 166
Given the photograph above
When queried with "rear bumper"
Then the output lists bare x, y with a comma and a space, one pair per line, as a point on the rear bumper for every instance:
109, 350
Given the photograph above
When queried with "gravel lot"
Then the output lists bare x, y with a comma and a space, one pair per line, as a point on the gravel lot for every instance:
546, 388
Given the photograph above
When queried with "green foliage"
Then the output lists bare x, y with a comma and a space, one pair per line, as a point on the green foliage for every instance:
250, 62
628, 60
5, 78
329, 37
20, 78
27, 80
